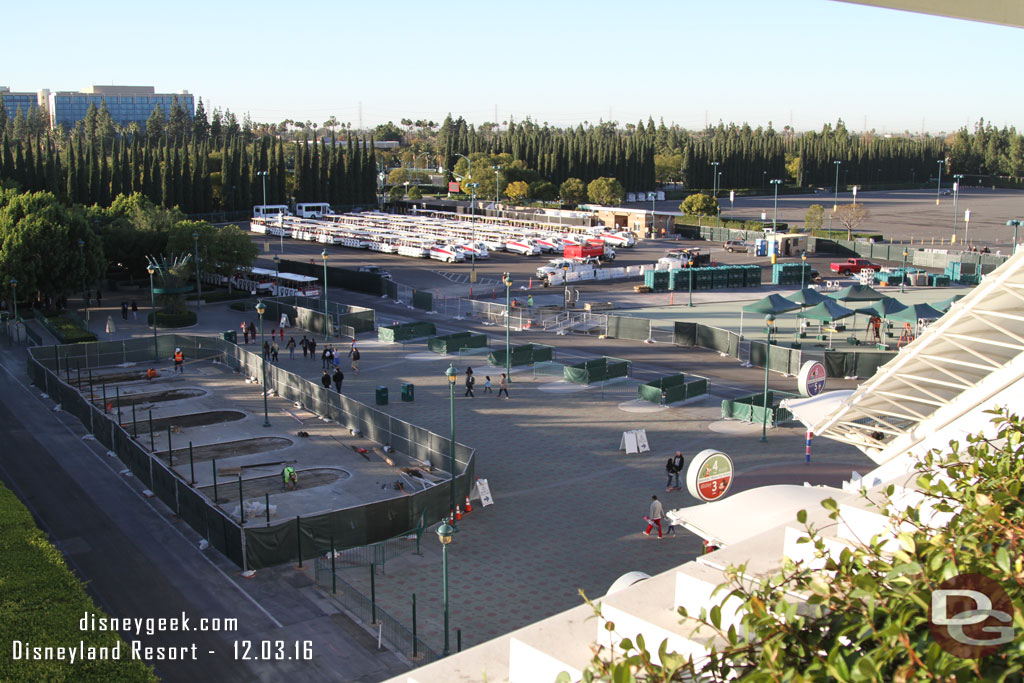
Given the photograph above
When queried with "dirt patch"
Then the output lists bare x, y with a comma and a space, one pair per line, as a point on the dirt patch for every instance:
258, 486
191, 420
228, 449
127, 401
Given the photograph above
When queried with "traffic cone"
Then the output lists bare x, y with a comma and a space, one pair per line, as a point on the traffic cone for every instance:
469, 506
458, 513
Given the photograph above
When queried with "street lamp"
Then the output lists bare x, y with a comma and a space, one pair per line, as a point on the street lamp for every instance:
776, 182
277, 275
199, 284
803, 270
1016, 224
152, 303
714, 179
472, 224
327, 324
769, 323
261, 309
835, 201
444, 534
938, 185
263, 175
903, 279
497, 185
85, 293
452, 374
507, 279
956, 195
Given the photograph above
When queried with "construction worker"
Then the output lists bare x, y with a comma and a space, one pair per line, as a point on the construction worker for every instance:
291, 479
179, 359
151, 373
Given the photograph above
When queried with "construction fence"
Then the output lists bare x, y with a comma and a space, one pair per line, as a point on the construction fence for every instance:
54, 368
672, 388
752, 408
343, 320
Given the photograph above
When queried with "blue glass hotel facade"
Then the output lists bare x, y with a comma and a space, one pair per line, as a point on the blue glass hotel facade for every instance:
126, 103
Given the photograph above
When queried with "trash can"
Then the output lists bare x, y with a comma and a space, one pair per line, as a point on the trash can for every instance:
407, 392
382, 396
231, 336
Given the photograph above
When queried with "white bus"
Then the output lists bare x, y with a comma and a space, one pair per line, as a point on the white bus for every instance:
312, 209
282, 284
270, 211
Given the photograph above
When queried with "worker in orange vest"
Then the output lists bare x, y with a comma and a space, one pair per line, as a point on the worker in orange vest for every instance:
179, 359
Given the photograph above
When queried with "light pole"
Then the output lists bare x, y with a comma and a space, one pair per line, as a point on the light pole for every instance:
152, 303
956, 195
472, 223
835, 201
444, 534
85, 293
277, 275
14, 297
769, 322
452, 374
327, 319
507, 279
263, 175
776, 182
497, 185
469, 171
938, 185
199, 284
1016, 224
718, 186
261, 309
903, 280
803, 270
714, 179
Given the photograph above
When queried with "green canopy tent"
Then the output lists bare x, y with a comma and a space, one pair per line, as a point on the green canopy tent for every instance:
826, 312
883, 308
914, 314
945, 304
857, 293
807, 297
773, 304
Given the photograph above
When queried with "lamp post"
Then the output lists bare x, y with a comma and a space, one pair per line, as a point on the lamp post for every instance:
152, 303
199, 284
769, 322
776, 182
444, 534
497, 185
714, 179
1016, 224
277, 275
903, 279
327, 325
261, 309
452, 374
835, 201
938, 185
469, 171
507, 279
718, 186
803, 270
14, 297
472, 223
263, 175
85, 292
956, 195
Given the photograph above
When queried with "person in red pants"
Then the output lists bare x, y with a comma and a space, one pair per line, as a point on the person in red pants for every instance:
654, 516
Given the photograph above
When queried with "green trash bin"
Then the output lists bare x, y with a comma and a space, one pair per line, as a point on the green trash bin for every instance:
231, 336
407, 392
382, 396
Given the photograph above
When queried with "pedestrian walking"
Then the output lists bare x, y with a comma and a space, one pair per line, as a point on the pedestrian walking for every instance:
339, 377
503, 386
273, 352
280, 331
529, 301
487, 385
312, 348
245, 332
99, 298
670, 470
352, 348
273, 333
179, 361
654, 516
678, 464
336, 360
291, 348
470, 381
326, 357
124, 310
355, 360
135, 310
305, 346
266, 349
325, 379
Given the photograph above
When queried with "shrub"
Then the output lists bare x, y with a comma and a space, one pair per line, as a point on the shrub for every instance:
68, 332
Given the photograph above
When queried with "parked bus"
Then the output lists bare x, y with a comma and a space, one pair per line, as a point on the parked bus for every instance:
270, 211
312, 209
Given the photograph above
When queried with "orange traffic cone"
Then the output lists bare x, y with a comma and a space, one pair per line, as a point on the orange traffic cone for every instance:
469, 506
458, 513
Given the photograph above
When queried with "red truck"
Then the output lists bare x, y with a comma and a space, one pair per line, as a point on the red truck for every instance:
590, 249
852, 265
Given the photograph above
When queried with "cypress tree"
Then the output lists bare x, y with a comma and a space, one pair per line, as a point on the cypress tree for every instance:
72, 176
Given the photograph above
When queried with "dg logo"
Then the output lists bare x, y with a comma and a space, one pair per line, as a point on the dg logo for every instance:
971, 616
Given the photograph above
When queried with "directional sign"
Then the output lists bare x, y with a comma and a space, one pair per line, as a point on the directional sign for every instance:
811, 380
709, 475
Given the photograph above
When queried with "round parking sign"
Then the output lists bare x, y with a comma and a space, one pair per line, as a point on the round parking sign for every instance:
811, 380
709, 475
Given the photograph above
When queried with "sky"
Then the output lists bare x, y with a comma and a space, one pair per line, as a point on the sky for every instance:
802, 63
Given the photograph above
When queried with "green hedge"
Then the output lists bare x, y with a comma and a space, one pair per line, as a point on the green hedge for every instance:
169, 319
42, 603
68, 332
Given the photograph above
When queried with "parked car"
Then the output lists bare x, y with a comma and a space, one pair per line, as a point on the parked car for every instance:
375, 270
737, 245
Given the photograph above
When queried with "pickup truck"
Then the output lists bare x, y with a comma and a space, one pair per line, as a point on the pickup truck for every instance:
852, 265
